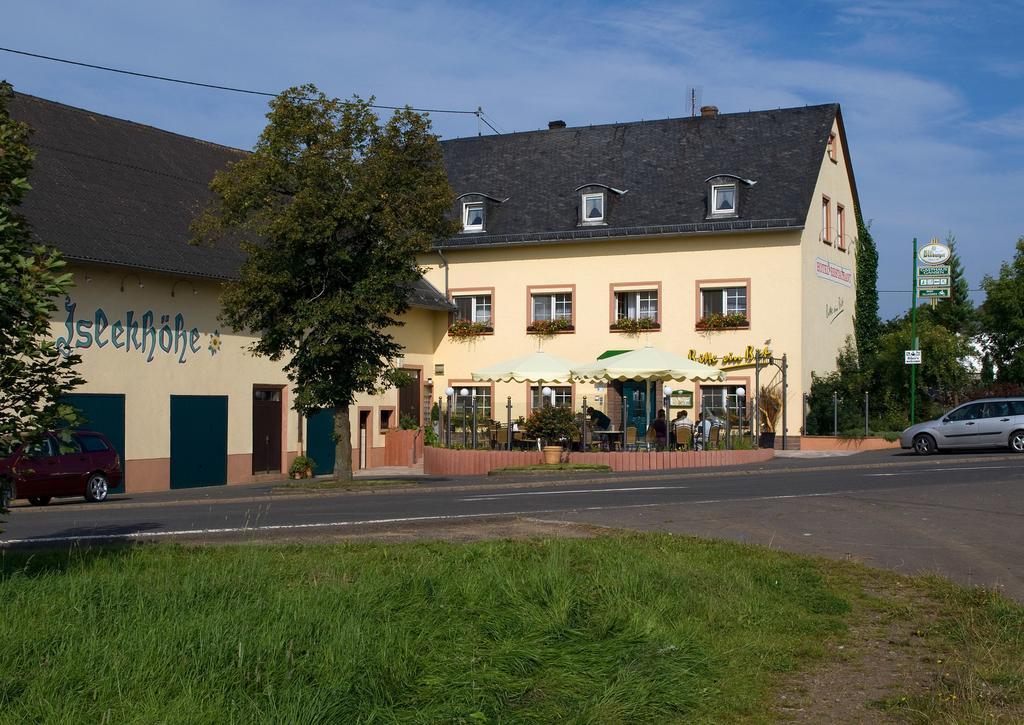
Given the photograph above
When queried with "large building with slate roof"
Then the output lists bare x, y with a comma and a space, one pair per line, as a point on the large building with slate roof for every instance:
178, 393
712, 237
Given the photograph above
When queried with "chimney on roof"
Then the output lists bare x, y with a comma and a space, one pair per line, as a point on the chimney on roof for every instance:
552, 125
708, 111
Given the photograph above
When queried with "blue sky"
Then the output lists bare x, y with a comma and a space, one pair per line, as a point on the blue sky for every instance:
932, 92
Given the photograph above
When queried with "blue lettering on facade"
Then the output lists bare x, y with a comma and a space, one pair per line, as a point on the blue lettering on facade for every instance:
145, 338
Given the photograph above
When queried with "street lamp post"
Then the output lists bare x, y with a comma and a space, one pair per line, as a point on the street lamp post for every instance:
450, 394
465, 412
741, 392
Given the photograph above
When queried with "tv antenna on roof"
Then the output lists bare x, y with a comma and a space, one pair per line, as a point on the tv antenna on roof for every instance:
693, 97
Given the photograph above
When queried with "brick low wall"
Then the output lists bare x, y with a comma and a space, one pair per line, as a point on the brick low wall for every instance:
831, 443
446, 462
398, 447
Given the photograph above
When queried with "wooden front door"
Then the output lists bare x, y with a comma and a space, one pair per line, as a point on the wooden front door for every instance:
266, 430
409, 397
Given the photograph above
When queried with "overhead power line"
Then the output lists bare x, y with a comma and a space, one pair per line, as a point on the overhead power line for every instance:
478, 112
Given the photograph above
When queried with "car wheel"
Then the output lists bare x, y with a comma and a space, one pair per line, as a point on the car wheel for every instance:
924, 444
96, 488
39, 500
1017, 441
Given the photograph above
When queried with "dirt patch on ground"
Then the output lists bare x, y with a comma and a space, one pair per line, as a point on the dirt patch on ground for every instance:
886, 659
454, 531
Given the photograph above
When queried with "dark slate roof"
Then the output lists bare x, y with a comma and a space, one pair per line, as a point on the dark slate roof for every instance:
115, 192
662, 165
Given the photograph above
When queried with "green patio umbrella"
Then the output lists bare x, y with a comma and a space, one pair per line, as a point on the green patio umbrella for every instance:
647, 364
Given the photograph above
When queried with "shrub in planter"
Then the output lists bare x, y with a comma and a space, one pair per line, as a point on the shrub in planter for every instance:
302, 467
551, 424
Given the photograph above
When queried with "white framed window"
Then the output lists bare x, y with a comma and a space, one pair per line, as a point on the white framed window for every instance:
473, 308
473, 216
841, 227
826, 220
723, 199
636, 305
482, 395
593, 208
552, 306
723, 301
717, 400
561, 394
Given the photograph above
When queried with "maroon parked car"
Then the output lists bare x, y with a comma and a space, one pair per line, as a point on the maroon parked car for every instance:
86, 465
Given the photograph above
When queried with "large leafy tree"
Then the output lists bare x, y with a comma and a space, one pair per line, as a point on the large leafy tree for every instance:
34, 374
332, 208
866, 324
1002, 318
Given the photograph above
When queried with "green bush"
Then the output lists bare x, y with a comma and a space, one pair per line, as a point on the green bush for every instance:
301, 464
551, 424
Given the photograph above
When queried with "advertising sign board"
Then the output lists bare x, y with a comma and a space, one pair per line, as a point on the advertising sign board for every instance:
934, 253
911, 357
937, 292
933, 271
933, 281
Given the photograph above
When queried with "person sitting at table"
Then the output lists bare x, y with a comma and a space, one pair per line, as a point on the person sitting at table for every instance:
682, 420
599, 420
660, 427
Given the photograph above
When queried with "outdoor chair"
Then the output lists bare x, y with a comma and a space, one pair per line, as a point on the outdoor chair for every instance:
574, 441
684, 437
501, 438
715, 437
630, 442
651, 438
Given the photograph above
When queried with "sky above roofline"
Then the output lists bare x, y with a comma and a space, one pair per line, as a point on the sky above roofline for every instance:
932, 92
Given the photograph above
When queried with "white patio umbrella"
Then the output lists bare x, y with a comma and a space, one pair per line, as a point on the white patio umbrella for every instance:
647, 364
539, 367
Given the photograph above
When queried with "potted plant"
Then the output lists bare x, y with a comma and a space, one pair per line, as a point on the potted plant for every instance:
635, 326
718, 321
302, 467
551, 425
769, 407
462, 330
549, 328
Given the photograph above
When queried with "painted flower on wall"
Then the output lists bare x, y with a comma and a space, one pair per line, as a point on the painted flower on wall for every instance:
214, 346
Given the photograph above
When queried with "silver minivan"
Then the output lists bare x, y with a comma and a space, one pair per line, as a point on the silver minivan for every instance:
986, 423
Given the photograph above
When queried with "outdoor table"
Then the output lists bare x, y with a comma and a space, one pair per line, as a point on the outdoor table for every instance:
609, 434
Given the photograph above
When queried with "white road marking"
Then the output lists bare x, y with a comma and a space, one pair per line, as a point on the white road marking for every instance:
492, 496
938, 470
142, 535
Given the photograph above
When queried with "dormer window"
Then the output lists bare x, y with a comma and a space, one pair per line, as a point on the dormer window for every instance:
473, 216
723, 199
593, 208
832, 148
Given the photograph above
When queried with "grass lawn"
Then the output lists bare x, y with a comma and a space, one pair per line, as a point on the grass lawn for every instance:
637, 628
542, 467
333, 484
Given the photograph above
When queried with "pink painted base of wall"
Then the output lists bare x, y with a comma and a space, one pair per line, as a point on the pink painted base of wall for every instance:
446, 462
831, 443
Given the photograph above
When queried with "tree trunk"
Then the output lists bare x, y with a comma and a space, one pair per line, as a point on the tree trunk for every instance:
342, 444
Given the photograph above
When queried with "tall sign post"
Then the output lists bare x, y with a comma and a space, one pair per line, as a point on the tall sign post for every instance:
932, 282
913, 339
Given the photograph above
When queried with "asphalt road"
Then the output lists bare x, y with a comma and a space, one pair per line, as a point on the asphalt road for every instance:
961, 516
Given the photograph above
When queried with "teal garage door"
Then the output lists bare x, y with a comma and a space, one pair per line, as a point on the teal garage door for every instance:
320, 441
199, 440
103, 413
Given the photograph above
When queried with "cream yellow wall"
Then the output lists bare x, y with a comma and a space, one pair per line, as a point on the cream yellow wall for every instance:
770, 260
419, 336
148, 383
232, 370
827, 307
